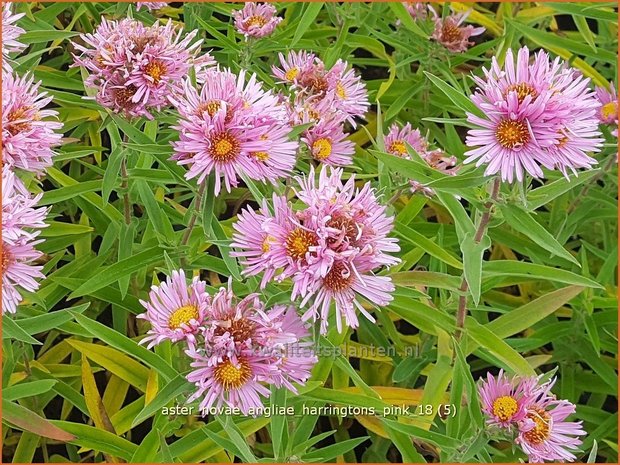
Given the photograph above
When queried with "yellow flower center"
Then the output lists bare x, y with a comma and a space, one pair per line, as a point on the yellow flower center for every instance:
522, 89
267, 244
258, 21
183, 315
398, 147
609, 110
155, 69
261, 156
321, 148
231, 376
505, 407
340, 91
541, 431
224, 147
512, 133
298, 243
291, 74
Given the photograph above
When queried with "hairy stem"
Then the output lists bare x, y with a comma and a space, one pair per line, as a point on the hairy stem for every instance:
480, 232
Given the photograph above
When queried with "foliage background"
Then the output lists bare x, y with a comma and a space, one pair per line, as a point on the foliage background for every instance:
547, 287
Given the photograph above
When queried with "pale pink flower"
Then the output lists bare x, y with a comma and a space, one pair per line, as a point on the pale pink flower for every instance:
10, 33
328, 144
20, 219
18, 272
28, 129
175, 310
450, 32
136, 69
534, 114
232, 126
256, 19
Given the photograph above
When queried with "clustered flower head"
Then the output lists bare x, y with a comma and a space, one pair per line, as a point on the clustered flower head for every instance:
396, 142
608, 112
231, 126
237, 347
330, 247
532, 416
10, 33
539, 113
135, 68
21, 224
325, 98
256, 19
451, 33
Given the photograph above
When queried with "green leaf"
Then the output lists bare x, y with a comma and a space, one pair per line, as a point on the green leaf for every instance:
472, 263
41, 323
535, 271
456, 96
11, 330
521, 221
307, 19
158, 218
328, 453
37, 37
411, 235
170, 391
403, 15
99, 440
113, 273
32, 388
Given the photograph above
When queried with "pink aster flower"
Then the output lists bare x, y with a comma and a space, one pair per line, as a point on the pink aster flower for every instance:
397, 139
608, 98
256, 19
295, 66
544, 433
327, 143
28, 130
450, 33
18, 272
534, 114
134, 68
10, 33
20, 218
504, 400
232, 127
330, 247
150, 5
175, 309
245, 348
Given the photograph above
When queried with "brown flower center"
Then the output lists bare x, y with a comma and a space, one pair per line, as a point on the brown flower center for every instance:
256, 20
182, 316
541, 431
347, 227
155, 69
240, 330
123, 96
231, 376
298, 243
338, 278
450, 32
505, 407
522, 89
224, 147
512, 133
14, 127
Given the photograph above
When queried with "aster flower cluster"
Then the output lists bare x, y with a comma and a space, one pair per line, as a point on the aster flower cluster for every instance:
256, 20
135, 68
28, 138
232, 126
526, 411
330, 247
10, 33
539, 113
608, 112
325, 98
396, 144
237, 347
